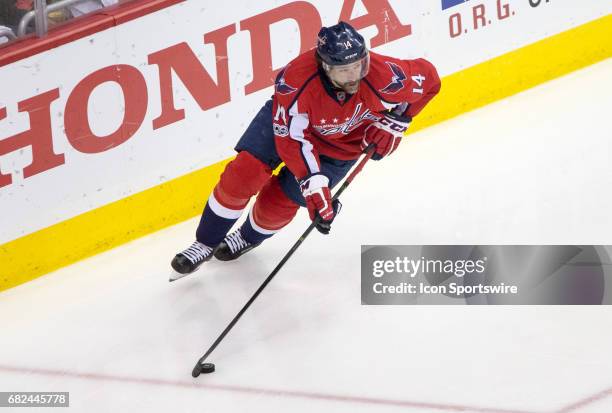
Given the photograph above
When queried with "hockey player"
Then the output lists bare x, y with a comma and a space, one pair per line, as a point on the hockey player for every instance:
328, 105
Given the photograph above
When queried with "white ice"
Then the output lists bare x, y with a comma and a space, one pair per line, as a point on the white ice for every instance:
535, 168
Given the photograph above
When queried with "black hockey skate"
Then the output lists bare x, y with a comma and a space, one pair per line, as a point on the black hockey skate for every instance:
233, 246
189, 260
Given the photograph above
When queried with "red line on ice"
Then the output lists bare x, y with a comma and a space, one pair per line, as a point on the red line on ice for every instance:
586, 401
260, 391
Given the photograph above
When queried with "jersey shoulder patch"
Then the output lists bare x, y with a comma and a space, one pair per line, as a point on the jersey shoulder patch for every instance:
281, 86
292, 77
388, 75
397, 82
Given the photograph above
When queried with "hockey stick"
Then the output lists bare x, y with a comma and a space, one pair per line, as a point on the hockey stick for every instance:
201, 366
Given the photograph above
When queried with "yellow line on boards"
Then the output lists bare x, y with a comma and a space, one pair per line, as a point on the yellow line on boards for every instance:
106, 227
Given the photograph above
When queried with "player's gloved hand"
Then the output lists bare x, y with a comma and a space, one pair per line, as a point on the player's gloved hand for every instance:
322, 211
386, 134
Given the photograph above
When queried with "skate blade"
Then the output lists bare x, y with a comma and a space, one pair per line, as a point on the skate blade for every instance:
176, 276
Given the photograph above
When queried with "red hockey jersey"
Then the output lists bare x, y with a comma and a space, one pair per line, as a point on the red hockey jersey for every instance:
311, 118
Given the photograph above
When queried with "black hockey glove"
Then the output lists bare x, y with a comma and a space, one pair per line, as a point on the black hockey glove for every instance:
324, 226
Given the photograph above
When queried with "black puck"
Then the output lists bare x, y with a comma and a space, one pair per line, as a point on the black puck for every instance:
202, 368
208, 368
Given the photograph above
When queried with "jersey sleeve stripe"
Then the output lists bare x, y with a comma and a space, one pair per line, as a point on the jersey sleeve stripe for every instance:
299, 123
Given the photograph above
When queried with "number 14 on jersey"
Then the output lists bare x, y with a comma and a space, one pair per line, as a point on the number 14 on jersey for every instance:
418, 79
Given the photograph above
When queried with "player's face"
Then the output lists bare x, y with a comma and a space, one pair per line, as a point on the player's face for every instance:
347, 77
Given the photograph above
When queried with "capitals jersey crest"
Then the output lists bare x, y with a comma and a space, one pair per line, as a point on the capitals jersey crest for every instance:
397, 81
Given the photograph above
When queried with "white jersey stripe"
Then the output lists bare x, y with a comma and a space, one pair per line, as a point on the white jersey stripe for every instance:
222, 211
258, 228
299, 123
